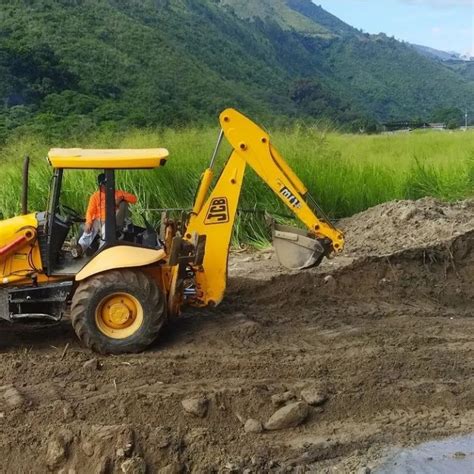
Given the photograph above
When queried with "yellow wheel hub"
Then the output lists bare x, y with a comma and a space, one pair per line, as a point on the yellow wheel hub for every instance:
119, 315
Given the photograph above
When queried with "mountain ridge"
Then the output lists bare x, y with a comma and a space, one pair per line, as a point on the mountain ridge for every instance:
72, 66
440, 54
303, 16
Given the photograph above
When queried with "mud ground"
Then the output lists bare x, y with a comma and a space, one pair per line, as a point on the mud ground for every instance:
384, 334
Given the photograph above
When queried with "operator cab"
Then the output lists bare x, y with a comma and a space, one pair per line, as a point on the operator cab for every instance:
56, 224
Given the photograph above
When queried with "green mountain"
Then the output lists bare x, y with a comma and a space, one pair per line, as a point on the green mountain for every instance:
291, 15
71, 66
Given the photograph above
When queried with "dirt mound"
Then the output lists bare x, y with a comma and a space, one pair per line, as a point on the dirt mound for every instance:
400, 225
428, 279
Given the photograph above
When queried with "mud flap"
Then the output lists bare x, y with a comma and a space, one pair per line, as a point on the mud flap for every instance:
295, 249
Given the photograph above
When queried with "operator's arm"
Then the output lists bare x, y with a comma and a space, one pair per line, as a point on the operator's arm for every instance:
124, 196
92, 210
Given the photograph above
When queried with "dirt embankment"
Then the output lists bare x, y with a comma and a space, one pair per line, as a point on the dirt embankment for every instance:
368, 353
400, 225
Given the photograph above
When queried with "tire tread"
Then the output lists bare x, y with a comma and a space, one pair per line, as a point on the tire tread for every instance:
116, 278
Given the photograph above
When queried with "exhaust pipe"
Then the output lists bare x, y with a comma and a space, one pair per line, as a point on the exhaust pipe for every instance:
24, 194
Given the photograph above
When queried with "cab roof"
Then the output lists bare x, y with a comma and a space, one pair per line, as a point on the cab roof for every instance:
79, 158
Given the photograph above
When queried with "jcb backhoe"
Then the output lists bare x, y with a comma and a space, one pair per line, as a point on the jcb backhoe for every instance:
119, 297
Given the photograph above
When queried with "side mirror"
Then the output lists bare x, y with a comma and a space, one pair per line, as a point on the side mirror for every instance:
24, 194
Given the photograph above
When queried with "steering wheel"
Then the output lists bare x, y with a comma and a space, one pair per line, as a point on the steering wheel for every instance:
71, 214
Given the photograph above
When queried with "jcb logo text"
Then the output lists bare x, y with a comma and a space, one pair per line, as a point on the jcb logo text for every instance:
218, 212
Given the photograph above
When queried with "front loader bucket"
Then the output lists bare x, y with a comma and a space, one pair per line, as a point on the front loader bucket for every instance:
295, 249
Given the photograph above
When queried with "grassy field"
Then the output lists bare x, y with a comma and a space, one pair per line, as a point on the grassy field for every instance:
345, 173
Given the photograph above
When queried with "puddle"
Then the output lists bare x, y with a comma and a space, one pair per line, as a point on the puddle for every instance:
452, 455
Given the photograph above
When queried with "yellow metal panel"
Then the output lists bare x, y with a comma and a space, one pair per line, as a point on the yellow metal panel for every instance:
121, 256
216, 222
22, 280
25, 237
78, 158
9, 227
18, 266
206, 182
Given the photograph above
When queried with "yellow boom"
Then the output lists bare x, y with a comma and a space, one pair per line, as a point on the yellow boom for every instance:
214, 217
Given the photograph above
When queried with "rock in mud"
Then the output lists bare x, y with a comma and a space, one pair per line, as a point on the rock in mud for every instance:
313, 396
253, 426
56, 454
68, 412
92, 364
88, 448
14, 398
281, 398
135, 465
195, 406
289, 416
330, 282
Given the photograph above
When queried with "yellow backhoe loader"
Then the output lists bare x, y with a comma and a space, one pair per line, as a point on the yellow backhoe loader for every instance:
120, 296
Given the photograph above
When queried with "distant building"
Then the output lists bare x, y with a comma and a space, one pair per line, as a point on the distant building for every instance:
408, 125
437, 126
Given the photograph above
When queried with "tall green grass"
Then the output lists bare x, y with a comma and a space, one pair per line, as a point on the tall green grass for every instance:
345, 173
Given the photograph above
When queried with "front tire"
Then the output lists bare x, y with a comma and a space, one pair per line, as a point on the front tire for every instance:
118, 312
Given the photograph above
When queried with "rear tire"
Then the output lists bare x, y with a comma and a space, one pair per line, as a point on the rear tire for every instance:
118, 312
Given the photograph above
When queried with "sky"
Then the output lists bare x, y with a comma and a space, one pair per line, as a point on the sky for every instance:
447, 25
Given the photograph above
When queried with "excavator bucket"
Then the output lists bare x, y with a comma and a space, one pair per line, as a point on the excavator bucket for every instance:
295, 249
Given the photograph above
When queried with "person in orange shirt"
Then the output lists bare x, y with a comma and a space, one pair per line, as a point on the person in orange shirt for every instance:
95, 214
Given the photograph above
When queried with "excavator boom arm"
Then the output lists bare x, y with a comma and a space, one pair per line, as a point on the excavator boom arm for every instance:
214, 217
253, 144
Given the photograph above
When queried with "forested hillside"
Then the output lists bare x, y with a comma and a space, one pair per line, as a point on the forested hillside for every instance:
70, 66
